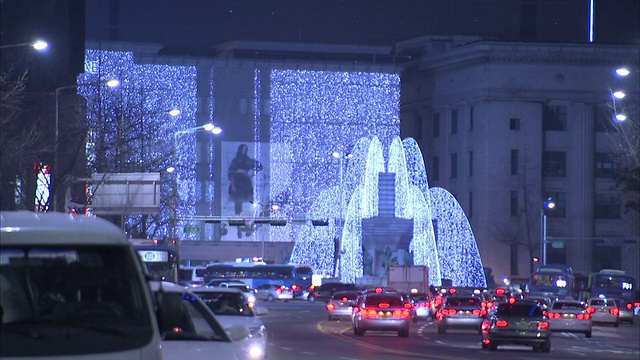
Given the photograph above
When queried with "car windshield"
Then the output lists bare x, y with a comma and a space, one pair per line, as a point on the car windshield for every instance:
519, 309
66, 295
226, 303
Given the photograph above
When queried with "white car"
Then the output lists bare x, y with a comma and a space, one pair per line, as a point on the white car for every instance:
604, 311
570, 316
271, 292
232, 309
189, 328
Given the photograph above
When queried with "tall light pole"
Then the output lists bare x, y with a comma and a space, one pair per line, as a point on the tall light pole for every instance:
342, 157
110, 83
174, 182
548, 204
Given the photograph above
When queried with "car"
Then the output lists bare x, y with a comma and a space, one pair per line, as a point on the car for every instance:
325, 291
190, 330
232, 309
192, 276
604, 311
340, 305
461, 312
570, 316
271, 292
520, 323
249, 293
423, 306
626, 311
384, 311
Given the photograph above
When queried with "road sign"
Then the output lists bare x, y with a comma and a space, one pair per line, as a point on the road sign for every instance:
191, 229
557, 245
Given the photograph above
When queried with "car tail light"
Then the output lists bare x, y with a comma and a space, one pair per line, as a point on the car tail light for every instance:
502, 323
486, 325
378, 290
423, 305
500, 291
279, 290
449, 311
543, 325
290, 291
486, 341
475, 312
583, 316
295, 287
453, 291
629, 306
355, 310
614, 311
311, 287
383, 305
331, 306
487, 304
553, 315
544, 312
591, 309
369, 313
512, 300
636, 304
407, 306
402, 314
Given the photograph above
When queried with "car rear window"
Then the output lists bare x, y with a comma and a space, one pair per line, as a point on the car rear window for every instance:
568, 305
375, 301
344, 295
462, 301
521, 309
602, 302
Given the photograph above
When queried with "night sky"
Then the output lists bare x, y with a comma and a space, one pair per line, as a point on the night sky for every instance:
203, 24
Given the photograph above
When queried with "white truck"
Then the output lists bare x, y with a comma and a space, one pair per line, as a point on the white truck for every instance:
408, 278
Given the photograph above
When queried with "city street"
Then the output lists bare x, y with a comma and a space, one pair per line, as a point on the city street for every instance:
300, 330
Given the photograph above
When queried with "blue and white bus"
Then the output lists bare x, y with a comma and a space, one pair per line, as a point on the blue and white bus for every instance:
254, 274
614, 284
551, 281
159, 260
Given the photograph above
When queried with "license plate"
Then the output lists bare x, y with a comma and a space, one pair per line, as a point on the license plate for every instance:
522, 325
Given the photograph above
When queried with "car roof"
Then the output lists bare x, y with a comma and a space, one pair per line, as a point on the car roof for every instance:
215, 289
28, 227
168, 287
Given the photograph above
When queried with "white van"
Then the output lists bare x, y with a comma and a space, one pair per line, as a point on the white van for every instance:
191, 276
71, 287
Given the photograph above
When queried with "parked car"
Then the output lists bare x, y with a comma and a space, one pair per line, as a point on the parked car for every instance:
232, 309
190, 330
325, 291
385, 311
271, 292
521, 323
570, 316
604, 311
340, 305
461, 312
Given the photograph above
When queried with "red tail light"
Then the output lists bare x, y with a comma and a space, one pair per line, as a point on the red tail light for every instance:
378, 290
424, 304
500, 291
544, 312
279, 290
636, 304
402, 314
614, 311
476, 312
629, 306
487, 304
407, 306
553, 315
486, 325
369, 313
453, 291
583, 316
449, 311
486, 341
502, 323
331, 306
383, 305
591, 309
512, 300
295, 287
543, 325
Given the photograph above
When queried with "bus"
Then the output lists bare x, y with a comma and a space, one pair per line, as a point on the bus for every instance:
552, 281
254, 274
159, 260
614, 284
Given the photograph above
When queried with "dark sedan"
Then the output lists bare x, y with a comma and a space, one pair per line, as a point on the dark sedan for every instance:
521, 323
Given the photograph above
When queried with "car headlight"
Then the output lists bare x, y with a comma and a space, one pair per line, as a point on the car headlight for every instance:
255, 352
251, 298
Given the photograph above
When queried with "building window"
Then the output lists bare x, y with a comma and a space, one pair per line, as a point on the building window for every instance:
560, 199
554, 164
604, 119
454, 166
471, 118
435, 168
470, 204
514, 258
607, 206
554, 118
454, 121
470, 163
514, 124
514, 162
436, 125
604, 165
514, 203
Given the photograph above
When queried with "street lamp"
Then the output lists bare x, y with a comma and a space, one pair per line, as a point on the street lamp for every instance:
174, 186
110, 83
38, 45
548, 205
342, 157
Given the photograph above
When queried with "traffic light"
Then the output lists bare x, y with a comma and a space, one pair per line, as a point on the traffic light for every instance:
535, 259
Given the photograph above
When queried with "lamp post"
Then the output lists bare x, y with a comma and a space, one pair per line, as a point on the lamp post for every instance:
548, 204
110, 83
38, 45
342, 157
174, 183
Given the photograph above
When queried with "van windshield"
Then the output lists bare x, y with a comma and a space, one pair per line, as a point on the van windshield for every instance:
71, 300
